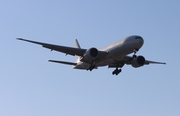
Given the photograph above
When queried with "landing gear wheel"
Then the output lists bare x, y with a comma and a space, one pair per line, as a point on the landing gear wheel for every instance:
135, 51
92, 67
134, 56
116, 71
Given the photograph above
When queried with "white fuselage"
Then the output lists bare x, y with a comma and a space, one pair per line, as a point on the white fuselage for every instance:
115, 51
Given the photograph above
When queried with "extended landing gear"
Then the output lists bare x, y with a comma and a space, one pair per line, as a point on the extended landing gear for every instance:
91, 67
116, 71
134, 56
135, 51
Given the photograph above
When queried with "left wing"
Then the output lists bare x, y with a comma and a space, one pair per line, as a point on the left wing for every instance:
128, 60
64, 49
153, 62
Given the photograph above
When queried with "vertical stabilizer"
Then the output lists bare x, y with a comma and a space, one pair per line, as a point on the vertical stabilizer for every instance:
77, 46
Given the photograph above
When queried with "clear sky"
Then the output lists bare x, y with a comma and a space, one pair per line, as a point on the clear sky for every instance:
31, 86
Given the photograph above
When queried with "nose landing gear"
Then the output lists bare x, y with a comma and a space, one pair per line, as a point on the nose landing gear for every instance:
135, 51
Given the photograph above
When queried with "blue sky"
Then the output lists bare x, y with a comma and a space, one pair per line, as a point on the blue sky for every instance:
29, 85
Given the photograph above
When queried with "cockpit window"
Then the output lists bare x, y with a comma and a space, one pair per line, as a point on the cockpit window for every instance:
138, 38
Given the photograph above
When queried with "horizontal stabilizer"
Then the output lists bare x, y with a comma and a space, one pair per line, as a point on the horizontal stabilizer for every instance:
63, 62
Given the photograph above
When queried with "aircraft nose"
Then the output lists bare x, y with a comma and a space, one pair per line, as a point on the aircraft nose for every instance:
141, 40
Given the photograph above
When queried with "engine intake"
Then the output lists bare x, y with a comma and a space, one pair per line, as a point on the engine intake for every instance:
138, 61
93, 52
90, 55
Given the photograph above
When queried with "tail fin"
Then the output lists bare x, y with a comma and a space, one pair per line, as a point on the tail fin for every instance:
77, 46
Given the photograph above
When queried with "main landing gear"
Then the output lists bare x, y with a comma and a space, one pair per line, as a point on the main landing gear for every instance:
92, 65
116, 71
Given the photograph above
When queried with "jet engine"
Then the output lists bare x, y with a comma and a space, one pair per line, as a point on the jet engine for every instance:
90, 54
138, 61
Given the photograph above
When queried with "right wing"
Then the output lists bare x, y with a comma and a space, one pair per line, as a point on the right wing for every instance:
64, 49
63, 62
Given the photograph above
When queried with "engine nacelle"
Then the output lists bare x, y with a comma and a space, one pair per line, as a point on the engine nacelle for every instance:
138, 61
90, 54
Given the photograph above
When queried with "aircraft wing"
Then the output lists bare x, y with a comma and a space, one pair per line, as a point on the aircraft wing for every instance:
64, 49
128, 59
153, 62
63, 62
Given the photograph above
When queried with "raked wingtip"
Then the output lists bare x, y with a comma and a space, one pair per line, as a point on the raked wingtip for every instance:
19, 38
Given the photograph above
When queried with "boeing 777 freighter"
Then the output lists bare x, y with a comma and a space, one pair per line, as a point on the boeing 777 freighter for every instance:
113, 55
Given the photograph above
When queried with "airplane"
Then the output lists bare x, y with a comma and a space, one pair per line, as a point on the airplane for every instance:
114, 55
